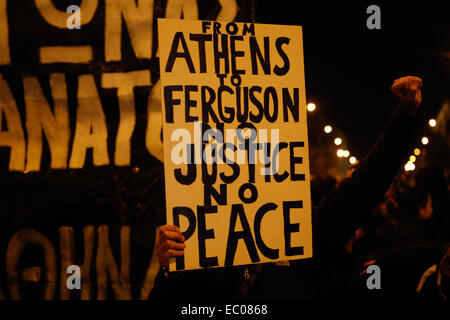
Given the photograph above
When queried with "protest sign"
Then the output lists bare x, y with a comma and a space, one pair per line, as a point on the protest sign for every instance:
235, 142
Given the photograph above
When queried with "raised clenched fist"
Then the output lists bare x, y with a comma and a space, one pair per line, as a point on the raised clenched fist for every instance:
407, 90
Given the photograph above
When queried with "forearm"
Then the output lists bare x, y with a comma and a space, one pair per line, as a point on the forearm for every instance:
379, 166
350, 205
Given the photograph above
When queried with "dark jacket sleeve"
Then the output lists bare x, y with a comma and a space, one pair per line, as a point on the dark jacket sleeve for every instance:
163, 287
201, 284
350, 205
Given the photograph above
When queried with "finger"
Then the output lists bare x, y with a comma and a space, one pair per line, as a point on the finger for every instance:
408, 81
175, 253
165, 254
418, 97
401, 79
400, 82
169, 227
416, 84
171, 235
420, 83
165, 232
406, 87
415, 79
169, 254
169, 244
399, 88
413, 82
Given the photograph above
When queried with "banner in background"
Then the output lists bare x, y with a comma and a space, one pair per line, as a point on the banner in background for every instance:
81, 178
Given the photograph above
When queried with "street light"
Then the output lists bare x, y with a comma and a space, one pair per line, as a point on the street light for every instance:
311, 107
409, 166
337, 141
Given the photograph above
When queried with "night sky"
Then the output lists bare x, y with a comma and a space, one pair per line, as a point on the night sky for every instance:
349, 69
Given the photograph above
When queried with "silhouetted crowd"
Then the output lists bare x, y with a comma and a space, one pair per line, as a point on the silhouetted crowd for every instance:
408, 232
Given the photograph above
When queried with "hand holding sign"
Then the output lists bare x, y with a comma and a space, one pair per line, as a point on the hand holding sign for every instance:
170, 244
407, 89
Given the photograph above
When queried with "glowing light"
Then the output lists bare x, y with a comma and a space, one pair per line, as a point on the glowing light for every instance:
337, 141
346, 153
311, 107
328, 129
417, 152
432, 123
425, 140
352, 160
412, 158
340, 153
409, 166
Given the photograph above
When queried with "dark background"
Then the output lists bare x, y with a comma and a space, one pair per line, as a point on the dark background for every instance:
349, 69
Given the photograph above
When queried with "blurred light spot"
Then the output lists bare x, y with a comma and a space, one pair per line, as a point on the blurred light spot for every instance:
337, 141
311, 107
409, 166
